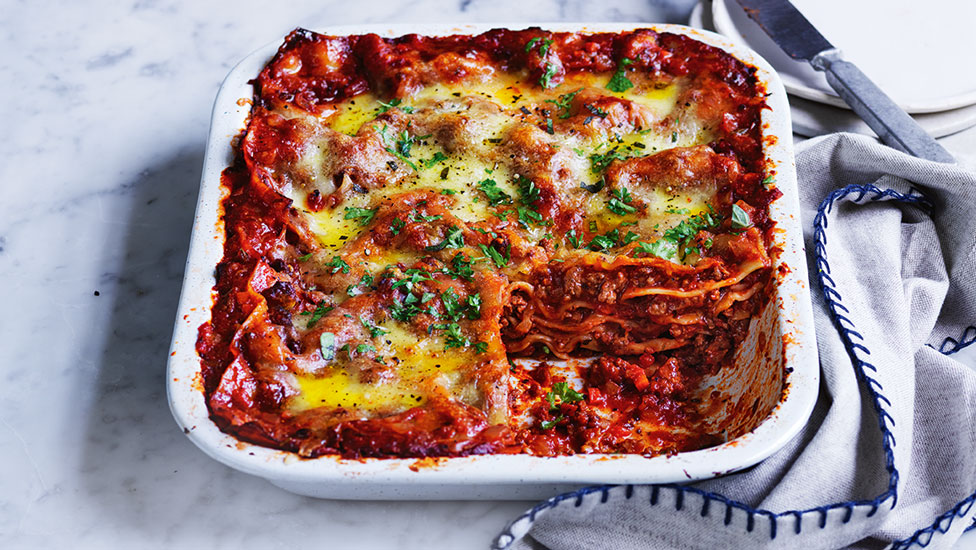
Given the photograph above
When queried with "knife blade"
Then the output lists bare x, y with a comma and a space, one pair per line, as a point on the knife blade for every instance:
801, 40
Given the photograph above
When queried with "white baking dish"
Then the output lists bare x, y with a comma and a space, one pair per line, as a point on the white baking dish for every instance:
783, 332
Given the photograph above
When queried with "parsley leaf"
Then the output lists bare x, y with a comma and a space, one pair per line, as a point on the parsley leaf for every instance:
548, 424
495, 195
602, 243
546, 80
460, 268
320, 310
562, 393
362, 215
338, 264
740, 218
662, 248
374, 330
453, 338
452, 308
453, 239
416, 216
619, 81
532, 43
573, 238
564, 102
327, 346
396, 225
596, 110
496, 256
618, 204
473, 311
438, 157
394, 104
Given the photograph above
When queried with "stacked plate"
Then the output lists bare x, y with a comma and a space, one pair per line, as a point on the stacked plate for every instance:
917, 52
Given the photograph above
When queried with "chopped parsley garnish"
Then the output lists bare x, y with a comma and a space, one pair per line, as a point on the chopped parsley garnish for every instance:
496, 256
394, 104
448, 192
362, 215
562, 393
474, 306
674, 137
453, 337
673, 210
619, 81
740, 218
600, 161
543, 49
364, 348
396, 225
306, 257
674, 242
527, 215
495, 195
596, 110
528, 192
327, 346
481, 347
602, 243
460, 268
546, 80
338, 264
406, 310
662, 248
768, 179
400, 148
438, 157
416, 216
629, 238
453, 239
618, 203
564, 102
413, 276
549, 424
549, 129
374, 330
452, 308
320, 310
573, 238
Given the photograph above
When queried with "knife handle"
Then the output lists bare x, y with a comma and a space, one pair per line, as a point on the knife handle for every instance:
888, 120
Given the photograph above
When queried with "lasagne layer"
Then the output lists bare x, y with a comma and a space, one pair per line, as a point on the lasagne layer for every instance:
409, 220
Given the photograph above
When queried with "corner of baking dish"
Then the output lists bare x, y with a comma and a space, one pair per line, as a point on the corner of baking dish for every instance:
184, 382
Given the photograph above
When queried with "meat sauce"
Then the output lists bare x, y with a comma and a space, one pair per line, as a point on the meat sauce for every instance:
630, 383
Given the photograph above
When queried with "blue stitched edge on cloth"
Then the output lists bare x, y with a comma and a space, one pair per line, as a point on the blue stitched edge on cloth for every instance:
848, 334
951, 345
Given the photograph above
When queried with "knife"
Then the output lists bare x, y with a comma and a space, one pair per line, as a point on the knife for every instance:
801, 40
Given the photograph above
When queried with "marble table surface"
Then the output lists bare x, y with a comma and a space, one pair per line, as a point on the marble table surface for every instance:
107, 107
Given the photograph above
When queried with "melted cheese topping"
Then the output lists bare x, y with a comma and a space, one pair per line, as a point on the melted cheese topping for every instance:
480, 118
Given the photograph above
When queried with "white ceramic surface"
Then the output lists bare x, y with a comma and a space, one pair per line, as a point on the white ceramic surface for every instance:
105, 134
915, 51
501, 476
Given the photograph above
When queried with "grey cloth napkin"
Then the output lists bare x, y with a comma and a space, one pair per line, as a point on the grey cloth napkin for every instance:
889, 455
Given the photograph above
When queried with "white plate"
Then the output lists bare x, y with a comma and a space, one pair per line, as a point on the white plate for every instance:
919, 53
786, 324
813, 118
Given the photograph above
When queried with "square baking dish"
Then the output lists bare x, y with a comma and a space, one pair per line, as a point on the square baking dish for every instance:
768, 396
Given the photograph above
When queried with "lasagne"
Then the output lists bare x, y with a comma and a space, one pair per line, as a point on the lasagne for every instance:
516, 242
